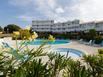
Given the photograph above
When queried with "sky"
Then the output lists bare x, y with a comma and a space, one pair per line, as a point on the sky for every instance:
22, 12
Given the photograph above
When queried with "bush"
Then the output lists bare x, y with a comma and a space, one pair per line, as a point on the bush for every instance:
24, 35
100, 51
98, 39
58, 35
28, 63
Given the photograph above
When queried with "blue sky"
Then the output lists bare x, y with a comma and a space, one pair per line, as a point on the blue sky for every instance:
22, 12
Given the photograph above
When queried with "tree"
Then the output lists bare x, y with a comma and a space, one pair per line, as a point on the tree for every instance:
92, 33
11, 27
1, 29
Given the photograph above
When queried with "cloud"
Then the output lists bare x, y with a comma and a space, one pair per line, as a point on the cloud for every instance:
60, 10
53, 10
90, 10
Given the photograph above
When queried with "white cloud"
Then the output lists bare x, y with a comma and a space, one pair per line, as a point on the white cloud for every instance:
90, 10
52, 9
59, 10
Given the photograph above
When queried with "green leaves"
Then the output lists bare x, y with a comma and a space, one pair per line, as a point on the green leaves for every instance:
57, 62
95, 65
33, 69
15, 62
11, 27
25, 62
75, 69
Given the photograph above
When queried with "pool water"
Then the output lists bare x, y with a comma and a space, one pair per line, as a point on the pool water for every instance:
73, 53
42, 41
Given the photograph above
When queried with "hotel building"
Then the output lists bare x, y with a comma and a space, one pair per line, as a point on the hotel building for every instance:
42, 25
69, 26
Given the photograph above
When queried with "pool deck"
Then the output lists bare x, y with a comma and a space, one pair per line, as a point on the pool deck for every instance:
74, 44
82, 47
89, 50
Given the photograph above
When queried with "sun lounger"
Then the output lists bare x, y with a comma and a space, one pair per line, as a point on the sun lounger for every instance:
98, 45
80, 41
89, 43
101, 43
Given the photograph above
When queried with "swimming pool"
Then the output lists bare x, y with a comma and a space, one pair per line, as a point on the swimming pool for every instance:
42, 41
73, 53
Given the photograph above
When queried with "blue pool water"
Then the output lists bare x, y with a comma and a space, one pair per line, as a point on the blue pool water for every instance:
73, 53
42, 41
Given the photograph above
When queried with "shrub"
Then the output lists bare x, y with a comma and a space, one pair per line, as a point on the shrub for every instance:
28, 64
25, 34
100, 51
98, 39
51, 38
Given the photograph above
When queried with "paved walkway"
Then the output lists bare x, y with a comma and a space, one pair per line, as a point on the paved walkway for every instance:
82, 47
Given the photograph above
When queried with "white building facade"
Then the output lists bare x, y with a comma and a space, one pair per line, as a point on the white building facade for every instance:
99, 26
42, 25
69, 26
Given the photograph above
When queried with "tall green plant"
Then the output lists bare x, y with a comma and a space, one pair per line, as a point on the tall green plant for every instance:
23, 62
18, 57
95, 65
33, 69
75, 69
57, 63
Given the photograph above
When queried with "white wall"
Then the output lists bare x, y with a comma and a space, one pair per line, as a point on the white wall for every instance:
49, 25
